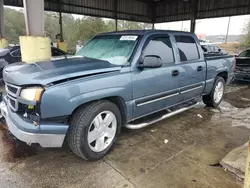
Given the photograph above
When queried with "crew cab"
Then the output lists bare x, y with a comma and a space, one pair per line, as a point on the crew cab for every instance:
116, 79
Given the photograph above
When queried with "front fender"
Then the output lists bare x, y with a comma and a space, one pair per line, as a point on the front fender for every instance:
62, 100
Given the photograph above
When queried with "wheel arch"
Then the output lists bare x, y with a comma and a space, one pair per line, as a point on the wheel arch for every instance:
117, 100
224, 75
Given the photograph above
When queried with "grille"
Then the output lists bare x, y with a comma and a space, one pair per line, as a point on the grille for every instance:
12, 93
12, 89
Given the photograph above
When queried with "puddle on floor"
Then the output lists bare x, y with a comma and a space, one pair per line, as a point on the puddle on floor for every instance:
239, 98
12, 148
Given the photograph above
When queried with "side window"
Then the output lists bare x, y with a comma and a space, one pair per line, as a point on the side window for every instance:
244, 54
56, 52
16, 53
162, 47
248, 54
187, 48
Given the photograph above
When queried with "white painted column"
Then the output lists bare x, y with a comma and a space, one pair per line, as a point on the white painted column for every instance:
34, 47
34, 17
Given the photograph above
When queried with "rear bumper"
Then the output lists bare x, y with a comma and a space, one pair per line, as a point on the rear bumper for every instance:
47, 135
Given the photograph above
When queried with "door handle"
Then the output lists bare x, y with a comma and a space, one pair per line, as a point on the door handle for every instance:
175, 73
199, 68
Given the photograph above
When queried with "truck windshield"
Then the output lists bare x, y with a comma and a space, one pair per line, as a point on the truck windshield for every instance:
116, 49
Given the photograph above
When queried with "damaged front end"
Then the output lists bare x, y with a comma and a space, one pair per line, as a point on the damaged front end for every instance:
20, 107
25, 101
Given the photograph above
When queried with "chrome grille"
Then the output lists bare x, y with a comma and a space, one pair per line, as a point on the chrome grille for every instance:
12, 94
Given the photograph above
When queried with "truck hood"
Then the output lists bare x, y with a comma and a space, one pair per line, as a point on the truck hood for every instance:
59, 70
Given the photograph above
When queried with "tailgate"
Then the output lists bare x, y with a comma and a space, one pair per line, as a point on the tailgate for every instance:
242, 65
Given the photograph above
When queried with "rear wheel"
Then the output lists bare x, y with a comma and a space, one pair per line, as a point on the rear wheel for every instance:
93, 129
217, 93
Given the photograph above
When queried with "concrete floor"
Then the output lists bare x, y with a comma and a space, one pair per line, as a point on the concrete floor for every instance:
141, 158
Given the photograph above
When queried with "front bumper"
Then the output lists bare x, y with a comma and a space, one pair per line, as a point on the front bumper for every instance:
47, 134
241, 76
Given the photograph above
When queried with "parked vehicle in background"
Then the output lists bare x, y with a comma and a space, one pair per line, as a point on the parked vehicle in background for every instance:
115, 80
211, 49
13, 55
242, 68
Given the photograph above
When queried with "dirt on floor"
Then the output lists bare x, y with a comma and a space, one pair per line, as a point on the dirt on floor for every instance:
239, 98
181, 152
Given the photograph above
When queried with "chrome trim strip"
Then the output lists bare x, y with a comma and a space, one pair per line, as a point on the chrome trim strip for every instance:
210, 80
156, 94
186, 91
155, 100
200, 84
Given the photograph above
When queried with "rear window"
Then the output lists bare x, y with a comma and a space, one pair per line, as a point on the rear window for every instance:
245, 54
188, 49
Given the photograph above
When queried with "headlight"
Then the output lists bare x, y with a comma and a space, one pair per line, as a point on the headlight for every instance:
32, 94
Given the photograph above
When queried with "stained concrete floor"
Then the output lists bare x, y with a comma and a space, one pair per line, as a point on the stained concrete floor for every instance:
143, 158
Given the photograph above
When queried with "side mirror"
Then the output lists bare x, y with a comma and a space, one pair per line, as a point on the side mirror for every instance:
150, 61
219, 50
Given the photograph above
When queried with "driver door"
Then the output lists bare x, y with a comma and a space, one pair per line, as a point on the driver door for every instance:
156, 88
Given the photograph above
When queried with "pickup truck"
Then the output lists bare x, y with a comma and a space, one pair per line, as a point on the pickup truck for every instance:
242, 68
114, 81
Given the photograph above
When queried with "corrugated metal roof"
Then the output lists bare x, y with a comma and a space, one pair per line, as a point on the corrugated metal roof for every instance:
146, 10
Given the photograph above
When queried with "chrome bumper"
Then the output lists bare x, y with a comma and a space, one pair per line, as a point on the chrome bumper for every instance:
45, 140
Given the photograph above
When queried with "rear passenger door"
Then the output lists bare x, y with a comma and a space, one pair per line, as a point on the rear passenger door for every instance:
156, 88
192, 68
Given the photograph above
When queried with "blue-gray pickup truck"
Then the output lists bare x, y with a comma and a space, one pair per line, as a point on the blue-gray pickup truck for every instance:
117, 79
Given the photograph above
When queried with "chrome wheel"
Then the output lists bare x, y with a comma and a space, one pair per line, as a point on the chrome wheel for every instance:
218, 92
102, 131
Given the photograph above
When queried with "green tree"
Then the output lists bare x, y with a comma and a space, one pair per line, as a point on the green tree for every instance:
245, 39
73, 29
14, 25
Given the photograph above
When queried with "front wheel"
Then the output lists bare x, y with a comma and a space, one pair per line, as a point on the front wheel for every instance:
93, 129
216, 95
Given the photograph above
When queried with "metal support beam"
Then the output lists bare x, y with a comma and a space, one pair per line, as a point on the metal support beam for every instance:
194, 7
60, 20
115, 14
153, 14
228, 27
1, 20
34, 17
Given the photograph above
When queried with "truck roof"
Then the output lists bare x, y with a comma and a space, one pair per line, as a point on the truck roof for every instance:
143, 32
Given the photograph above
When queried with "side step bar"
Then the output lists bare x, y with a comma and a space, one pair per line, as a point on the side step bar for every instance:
165, 116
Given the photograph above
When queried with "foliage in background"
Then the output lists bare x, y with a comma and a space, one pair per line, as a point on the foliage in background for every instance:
14, 25
73, 29
245, 39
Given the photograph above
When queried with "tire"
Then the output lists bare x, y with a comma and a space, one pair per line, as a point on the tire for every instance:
85, 121
210, 99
